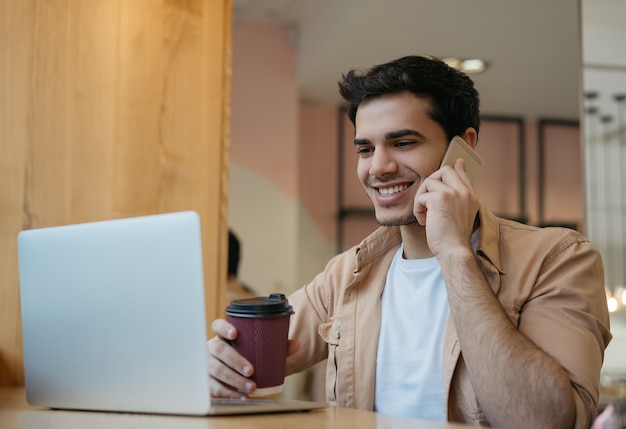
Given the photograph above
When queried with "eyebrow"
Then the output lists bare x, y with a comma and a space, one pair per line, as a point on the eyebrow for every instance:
392, 135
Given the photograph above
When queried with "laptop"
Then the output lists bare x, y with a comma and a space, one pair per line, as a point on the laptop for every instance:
113, 319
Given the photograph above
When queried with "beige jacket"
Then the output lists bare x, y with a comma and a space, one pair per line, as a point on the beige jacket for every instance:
549, 281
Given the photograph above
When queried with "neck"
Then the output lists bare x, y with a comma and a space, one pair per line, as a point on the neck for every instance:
415, 243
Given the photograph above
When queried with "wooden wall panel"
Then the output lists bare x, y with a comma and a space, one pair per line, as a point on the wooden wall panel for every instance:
110, 109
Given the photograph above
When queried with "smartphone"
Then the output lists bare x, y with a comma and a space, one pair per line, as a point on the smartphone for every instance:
459, 149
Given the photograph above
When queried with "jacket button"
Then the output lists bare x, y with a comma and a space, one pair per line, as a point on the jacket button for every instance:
337, 334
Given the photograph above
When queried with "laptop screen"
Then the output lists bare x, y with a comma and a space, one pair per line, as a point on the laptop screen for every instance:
113, 315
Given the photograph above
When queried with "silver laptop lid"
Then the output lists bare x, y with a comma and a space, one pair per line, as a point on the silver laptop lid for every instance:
113, 315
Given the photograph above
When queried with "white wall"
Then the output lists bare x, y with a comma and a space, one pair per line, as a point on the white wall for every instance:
604, 71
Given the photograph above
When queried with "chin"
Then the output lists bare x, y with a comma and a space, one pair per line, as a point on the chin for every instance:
396, 221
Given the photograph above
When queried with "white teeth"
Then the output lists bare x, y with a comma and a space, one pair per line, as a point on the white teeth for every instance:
392, 190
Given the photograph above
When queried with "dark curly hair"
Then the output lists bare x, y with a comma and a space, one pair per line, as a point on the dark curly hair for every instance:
453, 99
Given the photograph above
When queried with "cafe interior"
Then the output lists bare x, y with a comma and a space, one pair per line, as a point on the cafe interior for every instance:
553, 129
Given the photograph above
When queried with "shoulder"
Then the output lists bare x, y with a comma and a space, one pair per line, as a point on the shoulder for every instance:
504, 238
376, 246
370, 255
550, 241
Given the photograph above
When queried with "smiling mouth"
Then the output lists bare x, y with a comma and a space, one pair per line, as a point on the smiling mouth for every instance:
392, 190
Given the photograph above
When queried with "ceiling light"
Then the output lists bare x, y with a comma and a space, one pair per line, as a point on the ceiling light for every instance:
473, 65
469, 65
455, 63
620, 294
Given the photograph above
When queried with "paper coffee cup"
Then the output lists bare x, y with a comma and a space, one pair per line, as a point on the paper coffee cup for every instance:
263, 326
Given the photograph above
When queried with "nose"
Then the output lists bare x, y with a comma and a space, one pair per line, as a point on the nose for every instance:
382, 163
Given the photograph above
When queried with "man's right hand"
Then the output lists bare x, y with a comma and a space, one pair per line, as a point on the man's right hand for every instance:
228, 370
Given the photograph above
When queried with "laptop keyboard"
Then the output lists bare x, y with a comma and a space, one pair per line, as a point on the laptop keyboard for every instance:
247, 401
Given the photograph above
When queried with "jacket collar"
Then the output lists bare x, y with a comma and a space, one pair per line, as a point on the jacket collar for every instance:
387, 237
375, 245
488, 245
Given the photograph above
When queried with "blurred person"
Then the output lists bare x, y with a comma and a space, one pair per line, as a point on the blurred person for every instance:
235, 288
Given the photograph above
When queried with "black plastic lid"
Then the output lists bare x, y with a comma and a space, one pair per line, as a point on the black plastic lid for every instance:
275, 305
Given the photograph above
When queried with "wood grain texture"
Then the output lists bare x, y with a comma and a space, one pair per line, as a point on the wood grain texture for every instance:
111, 109
15, 413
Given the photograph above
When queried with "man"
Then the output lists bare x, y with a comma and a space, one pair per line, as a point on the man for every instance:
446, 312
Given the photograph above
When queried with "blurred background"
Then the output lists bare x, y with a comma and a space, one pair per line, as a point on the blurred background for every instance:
552, 134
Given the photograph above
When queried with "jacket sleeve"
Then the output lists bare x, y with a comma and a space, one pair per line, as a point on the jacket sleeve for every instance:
314, 306
567, 317
310, 311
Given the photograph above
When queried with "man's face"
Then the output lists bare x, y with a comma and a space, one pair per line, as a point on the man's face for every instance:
398, 145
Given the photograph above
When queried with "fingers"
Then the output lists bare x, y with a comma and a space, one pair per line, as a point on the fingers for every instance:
459, 167
452, 175
228, 370
419, 211
426, 194
224, 329
448, 185
220, 390
293, 347
220, 349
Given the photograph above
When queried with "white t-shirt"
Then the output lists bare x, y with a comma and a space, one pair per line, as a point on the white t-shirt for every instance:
409, 380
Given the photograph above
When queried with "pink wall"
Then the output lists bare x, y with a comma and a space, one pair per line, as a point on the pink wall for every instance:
563, 173
295, 146
264, 125
318, 166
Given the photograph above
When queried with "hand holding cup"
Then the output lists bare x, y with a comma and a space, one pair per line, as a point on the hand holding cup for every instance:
250, 351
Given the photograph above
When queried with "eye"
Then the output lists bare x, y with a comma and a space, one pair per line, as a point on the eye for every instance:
364, 150
404, 143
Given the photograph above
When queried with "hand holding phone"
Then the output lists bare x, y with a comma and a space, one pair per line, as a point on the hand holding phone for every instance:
459, 149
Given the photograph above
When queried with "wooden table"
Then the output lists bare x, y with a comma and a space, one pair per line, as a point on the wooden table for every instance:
15, 413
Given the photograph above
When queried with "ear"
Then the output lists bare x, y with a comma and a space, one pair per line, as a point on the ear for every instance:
471, 137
